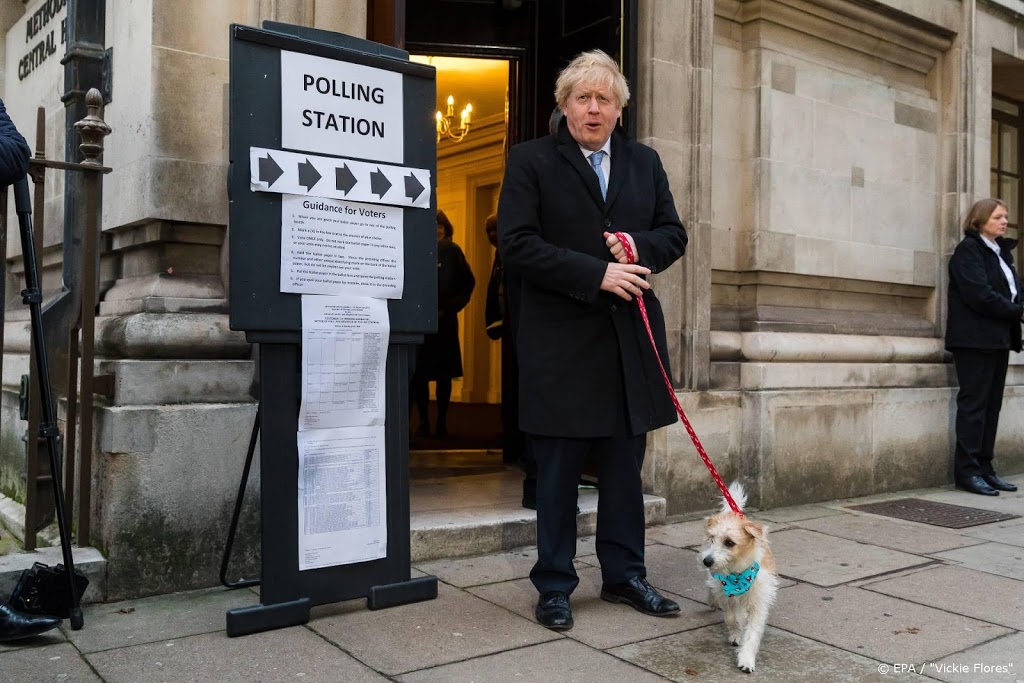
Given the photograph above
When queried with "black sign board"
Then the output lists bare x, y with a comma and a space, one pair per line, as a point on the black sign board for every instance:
257, 304
273, 319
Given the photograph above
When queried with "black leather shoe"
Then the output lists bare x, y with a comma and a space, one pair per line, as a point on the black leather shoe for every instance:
14, 625
977, 485
553, 611
641, 596
998, 483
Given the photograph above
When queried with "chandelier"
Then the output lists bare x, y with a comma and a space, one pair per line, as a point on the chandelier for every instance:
446, 127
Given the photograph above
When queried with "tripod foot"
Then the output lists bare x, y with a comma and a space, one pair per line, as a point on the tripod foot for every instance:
77, 620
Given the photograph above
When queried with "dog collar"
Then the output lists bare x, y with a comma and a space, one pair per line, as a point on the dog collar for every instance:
738, 584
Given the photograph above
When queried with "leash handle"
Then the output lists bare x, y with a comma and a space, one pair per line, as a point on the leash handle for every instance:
631, 257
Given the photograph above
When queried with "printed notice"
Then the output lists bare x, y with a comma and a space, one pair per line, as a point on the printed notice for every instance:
330, 246
344, 355
342, 496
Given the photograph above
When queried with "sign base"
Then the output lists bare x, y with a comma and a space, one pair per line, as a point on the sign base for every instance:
243, 621
402, 593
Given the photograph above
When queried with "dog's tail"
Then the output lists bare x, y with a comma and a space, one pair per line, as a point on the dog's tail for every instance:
738, 495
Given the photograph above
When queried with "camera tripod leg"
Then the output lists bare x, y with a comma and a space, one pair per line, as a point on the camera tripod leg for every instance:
32, 295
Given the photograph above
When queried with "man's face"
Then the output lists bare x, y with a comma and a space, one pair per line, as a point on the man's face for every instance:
591, 113
492, 234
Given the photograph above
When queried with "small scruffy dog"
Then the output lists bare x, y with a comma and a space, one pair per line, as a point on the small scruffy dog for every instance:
741, 575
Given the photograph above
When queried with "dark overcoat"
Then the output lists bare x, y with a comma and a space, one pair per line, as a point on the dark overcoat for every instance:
14, 151
440, 356
982, 315
579, 348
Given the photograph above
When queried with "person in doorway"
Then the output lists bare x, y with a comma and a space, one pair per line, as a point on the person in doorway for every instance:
494, 310
14, 156
983, 326
589, 379
440, 358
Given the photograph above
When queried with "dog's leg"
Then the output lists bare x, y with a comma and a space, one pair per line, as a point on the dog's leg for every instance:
753, 630
733, 622
714, 603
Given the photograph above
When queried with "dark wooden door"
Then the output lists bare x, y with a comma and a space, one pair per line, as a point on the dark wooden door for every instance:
567, 27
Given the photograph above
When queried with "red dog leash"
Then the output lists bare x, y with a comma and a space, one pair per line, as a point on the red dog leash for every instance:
624, 241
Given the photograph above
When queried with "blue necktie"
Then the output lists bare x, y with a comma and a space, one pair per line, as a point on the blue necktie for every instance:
595, 161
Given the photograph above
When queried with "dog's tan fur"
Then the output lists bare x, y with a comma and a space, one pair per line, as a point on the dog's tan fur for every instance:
731, 545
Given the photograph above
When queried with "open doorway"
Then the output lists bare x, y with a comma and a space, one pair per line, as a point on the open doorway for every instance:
474, 467
472, 139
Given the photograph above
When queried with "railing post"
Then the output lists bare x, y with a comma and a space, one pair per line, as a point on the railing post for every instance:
92, 130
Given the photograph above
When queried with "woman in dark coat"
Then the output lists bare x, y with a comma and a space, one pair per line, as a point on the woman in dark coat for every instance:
440, 358
985, 314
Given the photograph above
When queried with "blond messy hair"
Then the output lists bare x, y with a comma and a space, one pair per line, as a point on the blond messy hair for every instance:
594, 66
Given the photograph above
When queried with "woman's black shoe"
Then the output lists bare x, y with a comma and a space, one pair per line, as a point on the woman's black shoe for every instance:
997, 482
977, 485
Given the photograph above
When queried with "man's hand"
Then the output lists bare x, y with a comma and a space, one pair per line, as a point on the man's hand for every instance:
625, 279
615, 246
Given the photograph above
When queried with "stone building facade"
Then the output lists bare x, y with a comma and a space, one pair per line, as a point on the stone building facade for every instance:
820, 152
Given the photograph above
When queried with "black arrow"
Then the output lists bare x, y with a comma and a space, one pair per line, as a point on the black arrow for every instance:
379, 183
308, 175
344, 179
413, 188
269, 170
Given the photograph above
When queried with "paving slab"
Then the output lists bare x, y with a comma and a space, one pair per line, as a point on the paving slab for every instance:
149, 620
994, 558
52, 637
678, 571
598, 623
293, 654
586, 547
455, 626
797, 513
996, 660
60, 662
484, 569
474, 571
829, 561
564, 661
881, 627
704, 655
680, 535
1010, 533
983, 596
887, 532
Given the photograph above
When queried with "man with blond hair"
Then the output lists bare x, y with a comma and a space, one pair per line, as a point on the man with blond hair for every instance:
589, 379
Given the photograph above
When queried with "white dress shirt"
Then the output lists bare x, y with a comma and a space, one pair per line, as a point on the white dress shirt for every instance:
606, 163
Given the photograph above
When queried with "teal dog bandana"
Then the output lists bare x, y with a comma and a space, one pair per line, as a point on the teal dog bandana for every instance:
738, 584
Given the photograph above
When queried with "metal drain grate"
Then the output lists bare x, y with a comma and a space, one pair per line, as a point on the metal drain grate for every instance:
936, 514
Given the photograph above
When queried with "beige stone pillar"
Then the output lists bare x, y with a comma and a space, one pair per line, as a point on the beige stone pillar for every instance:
166, 205
673, 98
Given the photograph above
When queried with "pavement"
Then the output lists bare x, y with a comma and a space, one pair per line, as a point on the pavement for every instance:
863, 598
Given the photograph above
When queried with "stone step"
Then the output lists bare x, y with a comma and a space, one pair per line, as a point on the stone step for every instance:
478, 530
88, 561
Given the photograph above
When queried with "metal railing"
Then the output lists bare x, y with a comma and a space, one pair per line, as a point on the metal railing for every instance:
67, 316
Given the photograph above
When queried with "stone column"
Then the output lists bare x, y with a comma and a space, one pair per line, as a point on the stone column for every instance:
171, 442
673, 97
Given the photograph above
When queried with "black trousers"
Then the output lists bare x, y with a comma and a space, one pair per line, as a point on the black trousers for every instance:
982, 377
620, 508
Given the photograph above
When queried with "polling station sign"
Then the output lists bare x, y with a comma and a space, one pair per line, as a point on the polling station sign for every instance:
342, 109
